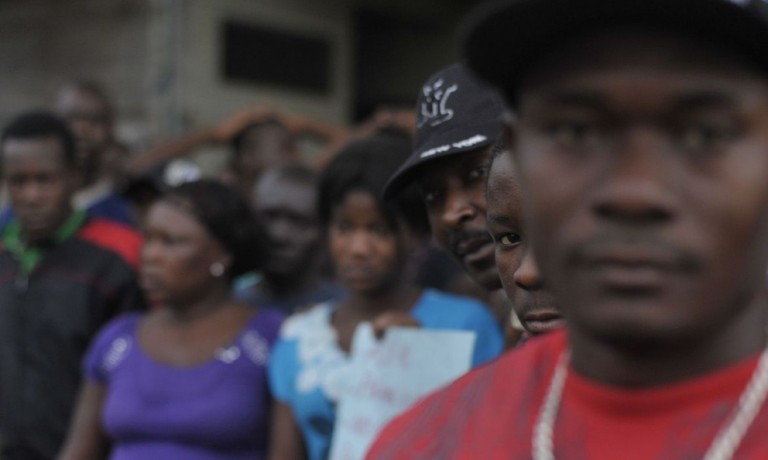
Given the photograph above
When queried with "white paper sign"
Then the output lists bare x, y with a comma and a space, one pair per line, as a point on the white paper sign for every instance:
389, 375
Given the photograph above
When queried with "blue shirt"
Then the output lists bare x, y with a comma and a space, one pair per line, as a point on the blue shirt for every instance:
307, 368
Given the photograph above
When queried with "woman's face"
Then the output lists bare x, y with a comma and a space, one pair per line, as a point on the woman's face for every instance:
177, 256
367, 252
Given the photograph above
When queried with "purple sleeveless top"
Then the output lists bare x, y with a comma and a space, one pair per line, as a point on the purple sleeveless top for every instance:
213, 411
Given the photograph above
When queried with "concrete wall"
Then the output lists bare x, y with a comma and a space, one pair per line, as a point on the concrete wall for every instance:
200, 96
160, 59
207, 97
46, 42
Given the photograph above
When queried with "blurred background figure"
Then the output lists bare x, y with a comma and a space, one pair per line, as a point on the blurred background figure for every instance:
65, 275
90, 115
141, 191
100, 158
188, 380
257, 138
372, 246
114, 161
285, 200
257, 147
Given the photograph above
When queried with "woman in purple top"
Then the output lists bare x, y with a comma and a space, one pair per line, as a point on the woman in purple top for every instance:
186, 381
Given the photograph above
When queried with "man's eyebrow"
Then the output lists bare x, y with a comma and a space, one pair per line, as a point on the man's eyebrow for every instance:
704, 99
500, 218
689, 100
571, 97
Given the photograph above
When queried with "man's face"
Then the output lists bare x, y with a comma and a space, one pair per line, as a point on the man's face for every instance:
287, 209
264, 146
39, 185
89, 119
453, 189
517, 270
645, 160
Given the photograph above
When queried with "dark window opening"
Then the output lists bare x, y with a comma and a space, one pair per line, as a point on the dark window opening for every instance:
258, 55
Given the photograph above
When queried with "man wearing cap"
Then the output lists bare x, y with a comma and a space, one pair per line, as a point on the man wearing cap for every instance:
459, 121
642, 143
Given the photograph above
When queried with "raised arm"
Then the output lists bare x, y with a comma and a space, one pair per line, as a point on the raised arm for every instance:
383, 118
221, 133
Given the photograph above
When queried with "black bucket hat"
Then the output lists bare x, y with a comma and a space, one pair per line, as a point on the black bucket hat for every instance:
455, 113
502, 39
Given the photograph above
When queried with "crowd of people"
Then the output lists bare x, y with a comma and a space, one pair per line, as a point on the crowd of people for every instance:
585, 194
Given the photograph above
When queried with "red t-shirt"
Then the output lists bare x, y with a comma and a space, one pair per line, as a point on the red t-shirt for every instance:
490, 413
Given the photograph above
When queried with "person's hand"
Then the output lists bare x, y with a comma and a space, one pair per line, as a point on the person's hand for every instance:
230, 127
390, 319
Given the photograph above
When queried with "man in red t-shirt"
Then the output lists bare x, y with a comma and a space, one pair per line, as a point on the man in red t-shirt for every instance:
641, 141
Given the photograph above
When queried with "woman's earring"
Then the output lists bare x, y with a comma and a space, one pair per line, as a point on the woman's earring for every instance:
217, 269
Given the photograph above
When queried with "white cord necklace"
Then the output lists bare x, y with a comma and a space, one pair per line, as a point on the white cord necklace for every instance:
723, 447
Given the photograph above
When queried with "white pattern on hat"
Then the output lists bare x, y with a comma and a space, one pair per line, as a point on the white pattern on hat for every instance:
434, 110
464, 143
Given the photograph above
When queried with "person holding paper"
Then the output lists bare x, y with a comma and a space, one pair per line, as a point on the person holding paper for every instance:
372, 245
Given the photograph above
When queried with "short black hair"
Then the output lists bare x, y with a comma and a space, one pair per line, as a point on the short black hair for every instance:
42, 124
239, 139
95, 89
366, 165
227, 217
